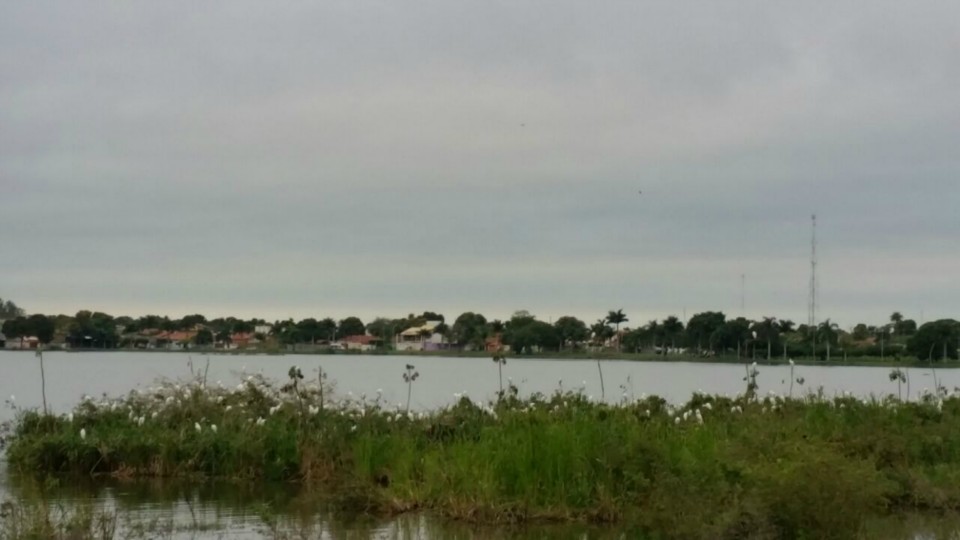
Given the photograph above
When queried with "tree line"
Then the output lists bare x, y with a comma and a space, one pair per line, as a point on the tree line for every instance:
709, 333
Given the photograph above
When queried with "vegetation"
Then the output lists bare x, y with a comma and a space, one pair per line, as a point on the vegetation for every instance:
718, 467
9, 310
707, 335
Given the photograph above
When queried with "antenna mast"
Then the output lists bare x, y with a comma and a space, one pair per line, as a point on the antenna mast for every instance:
812, 300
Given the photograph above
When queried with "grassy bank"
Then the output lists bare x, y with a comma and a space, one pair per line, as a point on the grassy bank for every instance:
715, 467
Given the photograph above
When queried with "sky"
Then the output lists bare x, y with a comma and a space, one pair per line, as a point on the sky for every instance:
312, 159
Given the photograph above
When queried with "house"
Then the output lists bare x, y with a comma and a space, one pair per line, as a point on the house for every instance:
176, 340
421, 338
241, 340
25, 342
264, 329
494, 344
358, 343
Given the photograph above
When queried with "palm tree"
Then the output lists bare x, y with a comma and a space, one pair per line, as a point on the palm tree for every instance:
653, 329
672, 327
600, 331
827, 332
786, 326
896, 318
768, 330
617, 318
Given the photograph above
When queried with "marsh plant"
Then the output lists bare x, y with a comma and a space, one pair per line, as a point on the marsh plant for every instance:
699, 469
409, 375
898, 375
29, 519
295, 376
43, 379
501, 360
794, 379
751, 380
603, 391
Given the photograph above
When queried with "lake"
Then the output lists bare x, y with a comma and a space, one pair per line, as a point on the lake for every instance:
216, 510
72, 375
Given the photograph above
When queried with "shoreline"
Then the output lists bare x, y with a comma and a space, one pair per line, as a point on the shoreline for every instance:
700, 469
868, 361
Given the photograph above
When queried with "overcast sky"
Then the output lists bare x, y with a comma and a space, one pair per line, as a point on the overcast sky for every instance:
303, 159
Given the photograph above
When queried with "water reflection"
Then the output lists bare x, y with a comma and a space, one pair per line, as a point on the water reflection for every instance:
200, 510
203, 510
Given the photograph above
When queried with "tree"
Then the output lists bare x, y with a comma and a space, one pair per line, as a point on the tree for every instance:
653, 331
600, 332
224, 336
444, 332
191, 321
470, 330
523, 335
633, 339
908, 327
733, 335
90, 330
351, 326
9, 310
204, 337
15, 329
42, 327
327, 328
309, 330
570, 330
786, 326
381, 327
431, 316
768, 330
672, 329
701, 326
896, 318
828, 332
242, 327
936, 340
617, 318
860, 332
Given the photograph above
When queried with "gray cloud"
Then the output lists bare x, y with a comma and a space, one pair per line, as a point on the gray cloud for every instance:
379, 158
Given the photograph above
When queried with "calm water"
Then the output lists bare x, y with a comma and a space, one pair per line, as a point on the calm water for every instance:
212, 510
169, 509
71, 375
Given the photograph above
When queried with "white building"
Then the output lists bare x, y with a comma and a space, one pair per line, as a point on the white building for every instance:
421, 338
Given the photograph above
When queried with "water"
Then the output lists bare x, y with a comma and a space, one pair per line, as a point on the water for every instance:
71, 375
202, 510
218, 510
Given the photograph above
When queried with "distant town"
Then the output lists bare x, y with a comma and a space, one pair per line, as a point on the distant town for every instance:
706, 334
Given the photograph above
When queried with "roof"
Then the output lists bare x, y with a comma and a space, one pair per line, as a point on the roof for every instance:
416, 330
177, 335
363, 340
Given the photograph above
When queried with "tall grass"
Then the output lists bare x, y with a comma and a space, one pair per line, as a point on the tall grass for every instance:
713, 467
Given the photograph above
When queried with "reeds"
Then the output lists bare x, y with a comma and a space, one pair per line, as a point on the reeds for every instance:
713, 466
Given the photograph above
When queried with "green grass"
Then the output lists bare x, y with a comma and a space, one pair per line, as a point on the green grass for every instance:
767, 468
